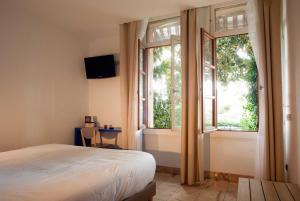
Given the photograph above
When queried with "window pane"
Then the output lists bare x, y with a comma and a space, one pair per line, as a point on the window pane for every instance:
141, 104
220, 23
160, 77
141, 87
230, 18
177, 76
208, 82
142, 74
208, 121
178, 110
240, 20
177, 71
230, 22
207, 50
237, 84
162, 30
141, 95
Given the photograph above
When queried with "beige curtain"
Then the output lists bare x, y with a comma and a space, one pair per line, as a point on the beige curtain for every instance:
189, 130
128, 75
130, 34
264, 30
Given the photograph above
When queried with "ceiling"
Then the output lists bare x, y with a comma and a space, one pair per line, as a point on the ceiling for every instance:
100, 18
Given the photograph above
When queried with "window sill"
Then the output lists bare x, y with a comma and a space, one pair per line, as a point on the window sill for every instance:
234, 135
237, 132
170, 132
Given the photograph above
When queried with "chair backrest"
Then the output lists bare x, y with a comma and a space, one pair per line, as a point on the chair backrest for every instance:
90, 134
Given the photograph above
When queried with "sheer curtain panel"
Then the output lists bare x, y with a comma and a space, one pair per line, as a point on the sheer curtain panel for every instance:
264, 29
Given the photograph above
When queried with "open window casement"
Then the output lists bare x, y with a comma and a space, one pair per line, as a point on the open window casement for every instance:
209, 82
142, 87
176, 83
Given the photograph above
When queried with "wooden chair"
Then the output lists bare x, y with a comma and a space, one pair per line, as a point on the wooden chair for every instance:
89, 133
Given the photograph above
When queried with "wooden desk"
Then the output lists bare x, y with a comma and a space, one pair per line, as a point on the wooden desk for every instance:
251, 189
109, 134
105, 133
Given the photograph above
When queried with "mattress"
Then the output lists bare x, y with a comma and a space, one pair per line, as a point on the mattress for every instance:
71, 173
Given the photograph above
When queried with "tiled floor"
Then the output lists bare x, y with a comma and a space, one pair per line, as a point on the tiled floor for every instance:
169, 189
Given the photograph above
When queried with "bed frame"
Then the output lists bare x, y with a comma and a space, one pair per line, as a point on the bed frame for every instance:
146, 194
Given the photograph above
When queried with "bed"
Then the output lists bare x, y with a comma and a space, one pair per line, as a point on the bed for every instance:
71, 173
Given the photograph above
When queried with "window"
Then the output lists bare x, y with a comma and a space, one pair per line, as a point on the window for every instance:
209, 95
229, 19
162, 31
229, 70
237, 84
228, 74
143, 90
160, 76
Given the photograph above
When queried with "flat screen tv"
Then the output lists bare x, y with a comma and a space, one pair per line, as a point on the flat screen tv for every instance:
100, 67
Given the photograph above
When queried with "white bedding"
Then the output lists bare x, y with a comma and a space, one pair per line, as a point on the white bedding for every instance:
68, 173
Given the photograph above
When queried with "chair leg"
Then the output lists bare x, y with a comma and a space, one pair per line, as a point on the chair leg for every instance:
82, 138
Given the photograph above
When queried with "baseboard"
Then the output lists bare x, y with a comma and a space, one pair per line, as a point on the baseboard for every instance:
207, 174
224, 176
170, 170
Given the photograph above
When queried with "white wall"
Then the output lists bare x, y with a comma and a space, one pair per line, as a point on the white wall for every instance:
228, 152
164, 145
104, 94
44, 93
291, 33
232, 152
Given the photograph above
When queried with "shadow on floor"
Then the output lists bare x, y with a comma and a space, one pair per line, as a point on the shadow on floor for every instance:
169, 189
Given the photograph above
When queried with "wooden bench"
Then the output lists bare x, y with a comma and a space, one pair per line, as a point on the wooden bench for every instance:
256, 190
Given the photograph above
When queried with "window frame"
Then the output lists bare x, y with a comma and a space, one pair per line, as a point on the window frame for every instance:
226, 5
175, 40
148, 48
172, 41
233, 32
258, 89
212, 66
164, 42
144, 123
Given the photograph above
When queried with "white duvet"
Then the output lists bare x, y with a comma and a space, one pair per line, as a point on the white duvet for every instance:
69, 173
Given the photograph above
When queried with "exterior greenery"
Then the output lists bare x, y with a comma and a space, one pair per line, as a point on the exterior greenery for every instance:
162, 100
232, 67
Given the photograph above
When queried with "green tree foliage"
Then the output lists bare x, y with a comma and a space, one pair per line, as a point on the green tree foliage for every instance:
232, 67
162, 103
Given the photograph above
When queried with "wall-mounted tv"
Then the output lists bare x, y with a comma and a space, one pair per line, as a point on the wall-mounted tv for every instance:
100, 67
